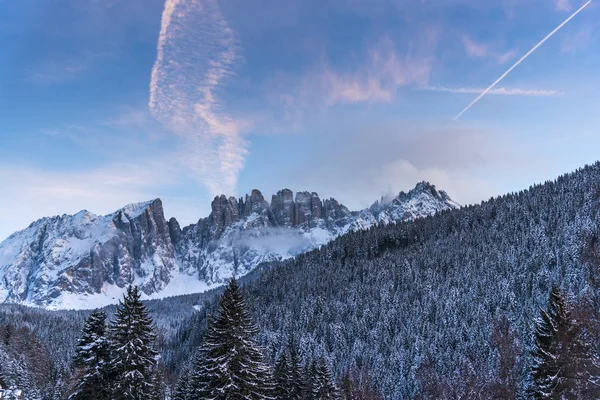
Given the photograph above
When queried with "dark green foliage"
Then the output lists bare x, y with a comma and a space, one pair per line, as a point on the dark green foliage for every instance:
308, 382
552, 325
91, 359
324, 386
282, 378
565, 359
182, 388
294, 373
229, 364
132, 356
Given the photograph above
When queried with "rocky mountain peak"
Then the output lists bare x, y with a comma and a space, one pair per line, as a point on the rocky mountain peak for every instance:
424, 188
225, 212
85, 260
283, 207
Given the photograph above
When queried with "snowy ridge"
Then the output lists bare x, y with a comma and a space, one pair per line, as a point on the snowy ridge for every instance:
86, 261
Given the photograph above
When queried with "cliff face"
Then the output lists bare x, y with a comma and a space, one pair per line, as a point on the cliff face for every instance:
64, 261
85, 253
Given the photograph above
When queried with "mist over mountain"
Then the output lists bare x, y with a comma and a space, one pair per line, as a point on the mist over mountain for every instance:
418, 303
84, 260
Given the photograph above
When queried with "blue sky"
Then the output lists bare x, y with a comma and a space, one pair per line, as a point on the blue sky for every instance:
108, 102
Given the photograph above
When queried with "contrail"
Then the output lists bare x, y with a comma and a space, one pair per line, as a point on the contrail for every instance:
522, 59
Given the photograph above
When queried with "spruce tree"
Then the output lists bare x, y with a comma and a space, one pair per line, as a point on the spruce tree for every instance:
181, 389
230, 364
548, 328
283, 380
91, 357
308, 377
565, 357
324, 386
133, 358
295, 372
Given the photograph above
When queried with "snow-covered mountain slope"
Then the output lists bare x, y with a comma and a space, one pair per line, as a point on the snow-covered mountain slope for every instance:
85, 260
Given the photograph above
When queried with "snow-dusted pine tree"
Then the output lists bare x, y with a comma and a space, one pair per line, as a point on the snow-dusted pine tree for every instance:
551, 324
324, 386
308, 381
133, 358
566, 355
295, 372
91, 358
182, 388
283, 380
230, 364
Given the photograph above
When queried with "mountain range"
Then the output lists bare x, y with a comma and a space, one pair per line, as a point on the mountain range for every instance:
84, 261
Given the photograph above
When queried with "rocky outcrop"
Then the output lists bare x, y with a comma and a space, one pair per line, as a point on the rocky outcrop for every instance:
255, 203
58, 261
84, 253
283, 207
225, 212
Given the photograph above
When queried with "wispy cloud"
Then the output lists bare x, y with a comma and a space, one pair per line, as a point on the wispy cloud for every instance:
197, 53
375, 78
49, 72
376, 81
562, 5
476, 49
500, 91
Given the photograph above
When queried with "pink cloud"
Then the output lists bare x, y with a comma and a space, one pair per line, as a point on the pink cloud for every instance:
475, 49
377, 80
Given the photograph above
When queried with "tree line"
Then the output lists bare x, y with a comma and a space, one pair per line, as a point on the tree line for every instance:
231, 365
443, 306
118, 361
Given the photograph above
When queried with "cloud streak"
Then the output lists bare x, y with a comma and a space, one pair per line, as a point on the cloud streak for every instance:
378, 80
479, 50
515, 65
382, 71
562, 5
196, 54
498, 91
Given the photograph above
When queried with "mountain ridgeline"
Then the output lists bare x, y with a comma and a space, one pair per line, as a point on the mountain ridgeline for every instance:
442, 307
422, 300
84, 260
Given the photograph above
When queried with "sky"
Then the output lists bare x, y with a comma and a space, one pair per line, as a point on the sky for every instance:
109, 102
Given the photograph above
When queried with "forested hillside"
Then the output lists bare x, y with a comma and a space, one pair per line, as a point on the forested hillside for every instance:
396, 297
443, 301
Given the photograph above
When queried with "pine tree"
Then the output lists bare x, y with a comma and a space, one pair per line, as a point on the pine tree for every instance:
230, 364
565, 356
283, 381
181, 389
308, 376
551, 324
295, 372
198, 384
91, 357
348, 387
133, 358
324, 386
